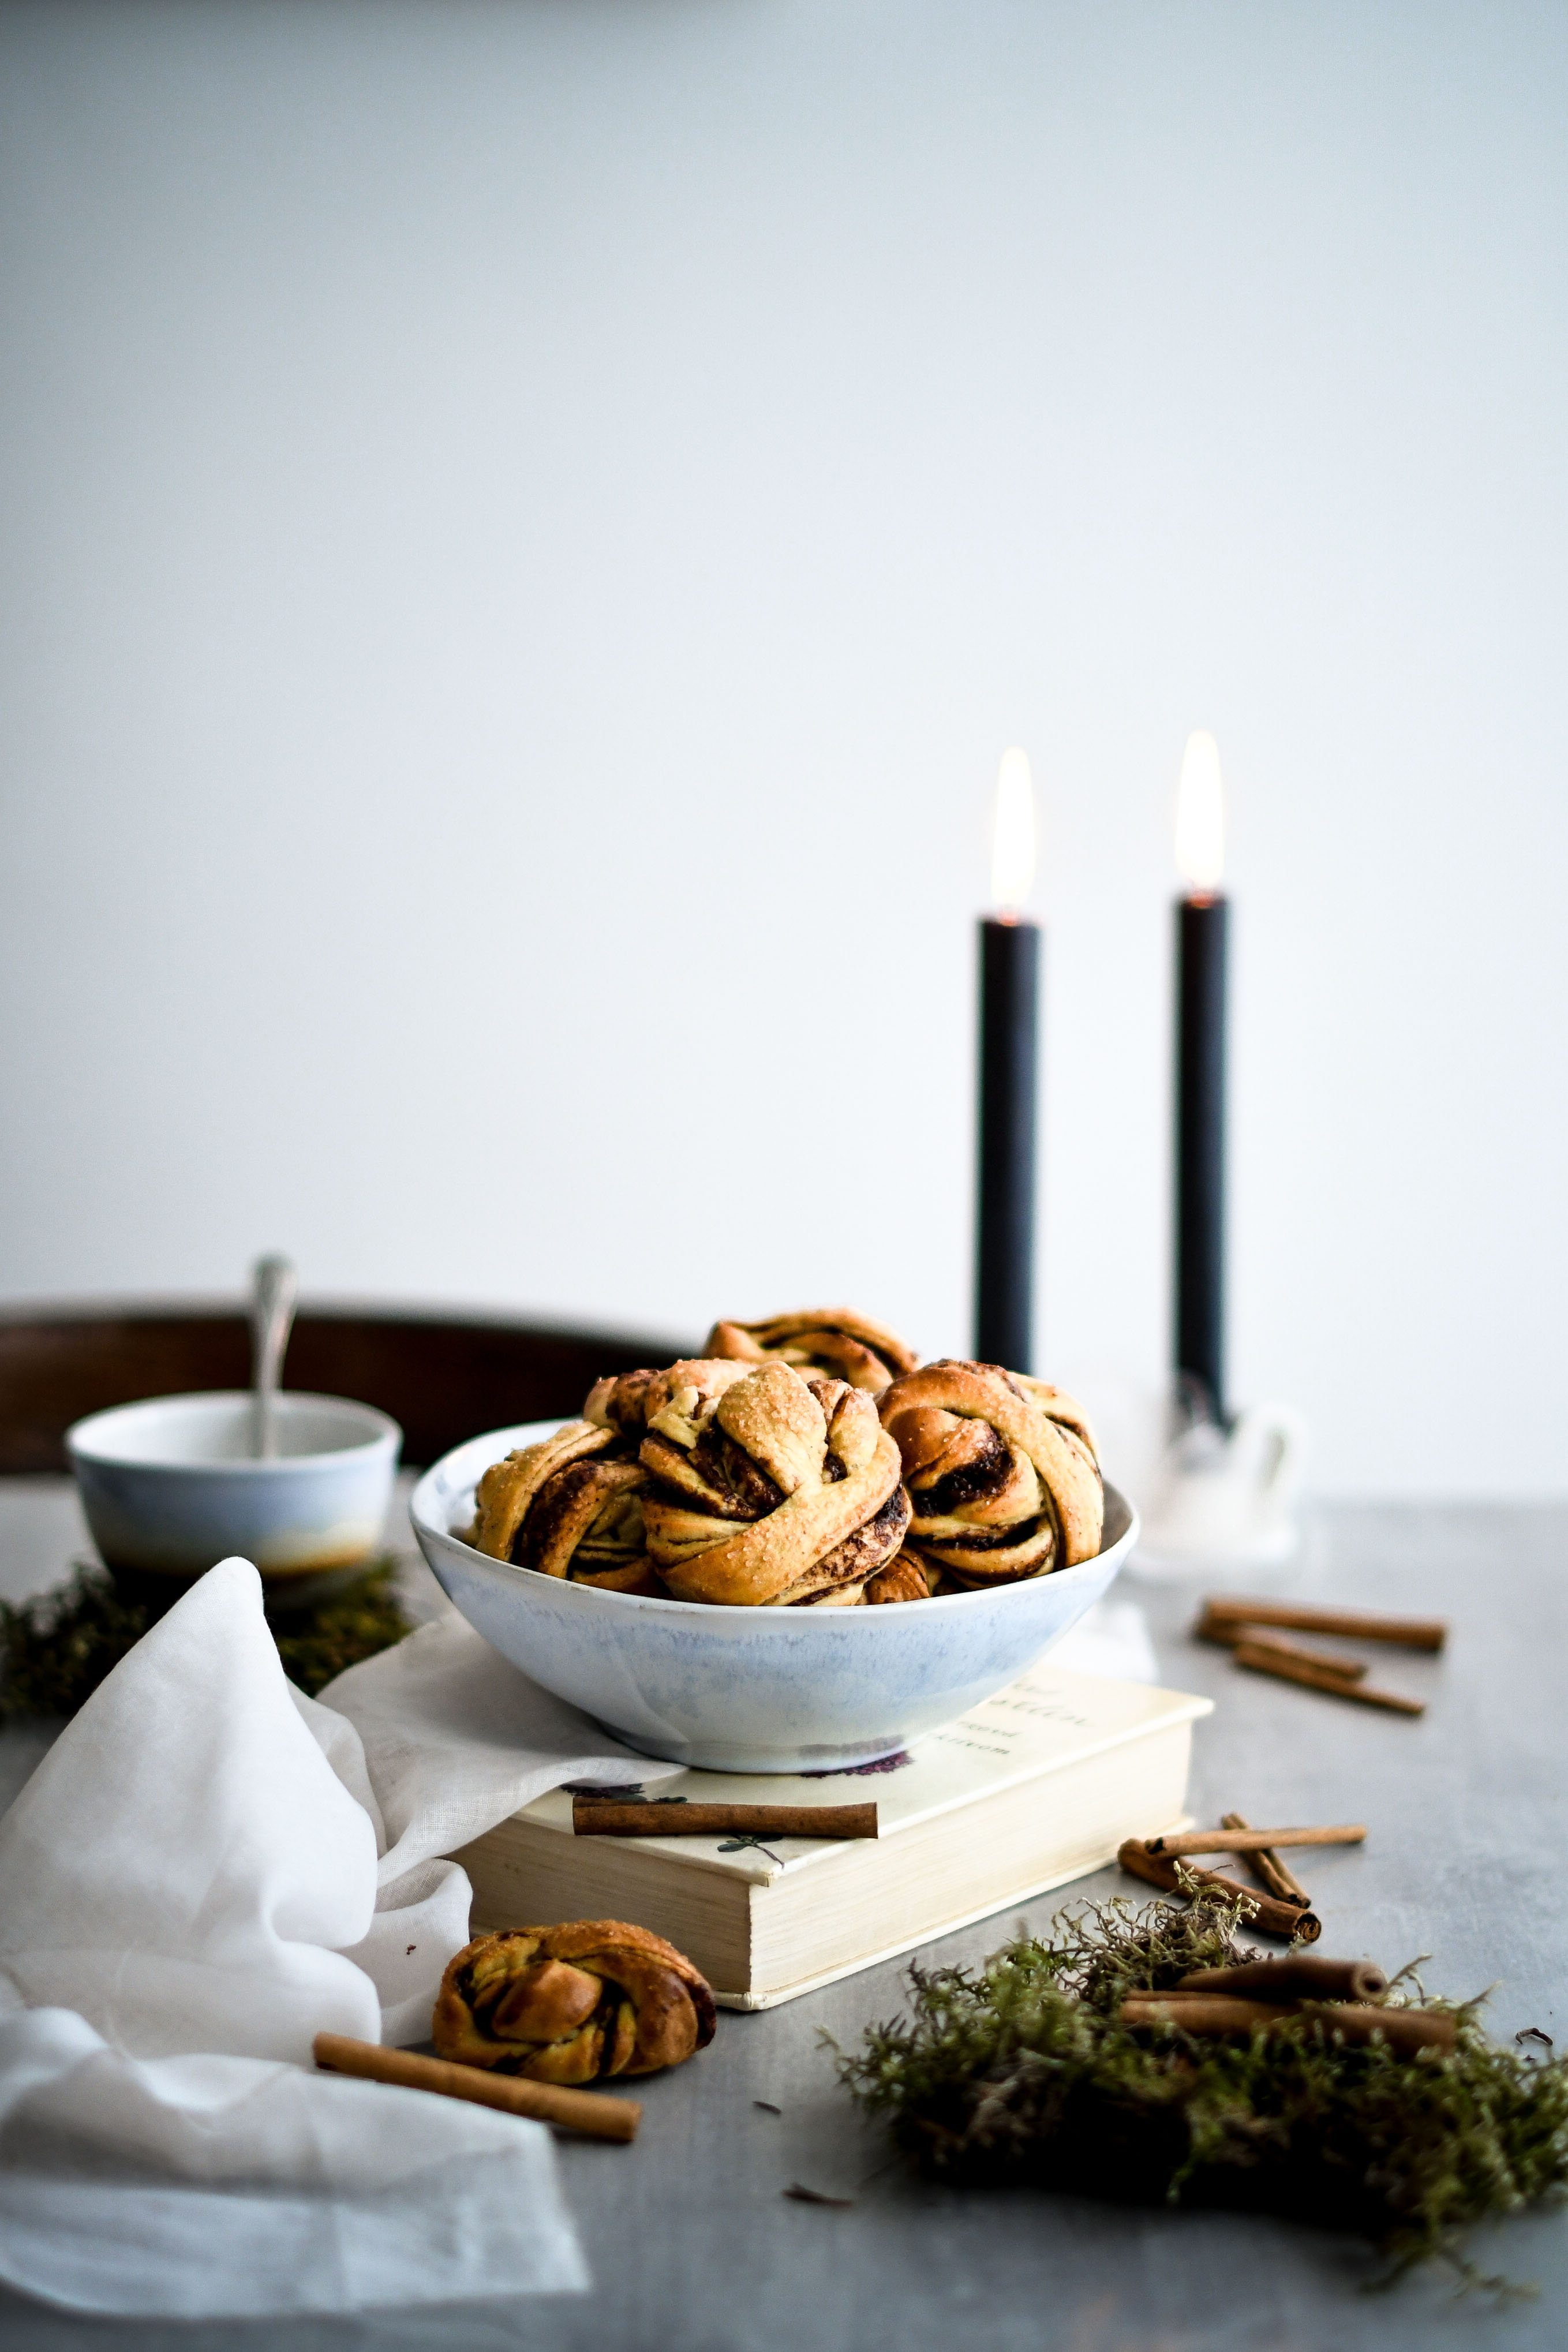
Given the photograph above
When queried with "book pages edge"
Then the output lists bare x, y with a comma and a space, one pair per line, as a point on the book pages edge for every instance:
1029, 1893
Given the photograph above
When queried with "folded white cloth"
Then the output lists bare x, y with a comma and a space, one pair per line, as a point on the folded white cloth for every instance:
439, 1739
209, 2186
455, 1738
192, 1886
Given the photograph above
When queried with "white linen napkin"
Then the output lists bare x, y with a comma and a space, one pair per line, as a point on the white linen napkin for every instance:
190, 1890
455, 1739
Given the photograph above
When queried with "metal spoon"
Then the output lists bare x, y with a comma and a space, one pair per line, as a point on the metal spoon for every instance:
275, 1287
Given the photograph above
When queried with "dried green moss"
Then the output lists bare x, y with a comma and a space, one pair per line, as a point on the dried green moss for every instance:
1021, 2073
55, 1650
320, 1643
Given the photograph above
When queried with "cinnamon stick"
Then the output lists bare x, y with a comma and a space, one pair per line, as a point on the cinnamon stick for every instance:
1268, 1866
1226, 1631
1255, 1841
600, 1817
1260, 1661
548, 2103
1357, 1625
1300, 1976
1264, 1912
1406, 2030
1348, 1670
1198, 2012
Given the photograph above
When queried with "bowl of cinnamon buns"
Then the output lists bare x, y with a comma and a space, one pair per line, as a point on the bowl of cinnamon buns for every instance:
793, 1552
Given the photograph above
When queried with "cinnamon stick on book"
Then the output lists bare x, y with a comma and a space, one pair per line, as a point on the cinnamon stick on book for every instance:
1258, 1659
1254, 1841
1265, 1912
600, 1817
1268, 1866
548, 2103
1357, 1625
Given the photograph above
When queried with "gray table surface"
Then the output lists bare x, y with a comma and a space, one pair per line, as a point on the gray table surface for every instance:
693, 2243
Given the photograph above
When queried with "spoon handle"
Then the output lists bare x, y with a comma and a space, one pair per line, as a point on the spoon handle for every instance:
275, 1287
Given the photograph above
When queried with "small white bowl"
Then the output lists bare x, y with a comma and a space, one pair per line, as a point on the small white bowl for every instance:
170, 1486
750, 1690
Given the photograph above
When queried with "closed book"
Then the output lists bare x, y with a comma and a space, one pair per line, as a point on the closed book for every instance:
1037, 1786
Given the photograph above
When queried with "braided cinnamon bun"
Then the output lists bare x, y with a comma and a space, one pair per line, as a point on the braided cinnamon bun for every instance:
570, 1506
903, 1579
686, 1392
1002, 1474
766, 1488
831, 1339
573, 2003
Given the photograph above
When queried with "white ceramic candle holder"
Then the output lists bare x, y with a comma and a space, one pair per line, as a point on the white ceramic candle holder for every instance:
1210, 1499
1223, 1498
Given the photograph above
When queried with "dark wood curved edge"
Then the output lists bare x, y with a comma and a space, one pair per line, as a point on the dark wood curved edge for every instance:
443, 1376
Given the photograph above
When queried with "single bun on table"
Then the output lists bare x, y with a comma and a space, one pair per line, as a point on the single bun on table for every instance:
831, 1339
574, 2003
1002, 1474
767, 1489
571, 1507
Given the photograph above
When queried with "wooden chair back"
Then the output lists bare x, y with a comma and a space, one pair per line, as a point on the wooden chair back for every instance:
443, 1377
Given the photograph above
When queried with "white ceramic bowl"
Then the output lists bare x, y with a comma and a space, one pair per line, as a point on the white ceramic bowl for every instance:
170, 1486
750, 1690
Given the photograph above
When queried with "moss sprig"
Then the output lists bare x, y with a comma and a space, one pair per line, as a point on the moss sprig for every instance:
1020, 2072
54, 1650
317, 1644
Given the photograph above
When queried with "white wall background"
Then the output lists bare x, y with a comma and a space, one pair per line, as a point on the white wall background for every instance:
526, 529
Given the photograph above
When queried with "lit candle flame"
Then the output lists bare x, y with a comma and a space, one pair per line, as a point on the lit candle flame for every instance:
1200, 814
1013, 842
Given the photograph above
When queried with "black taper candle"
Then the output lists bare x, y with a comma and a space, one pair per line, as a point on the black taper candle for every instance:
1004, 1270
1202, 926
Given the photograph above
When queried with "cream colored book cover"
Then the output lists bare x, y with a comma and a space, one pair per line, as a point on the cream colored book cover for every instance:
1029, 1789
1049, 1718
